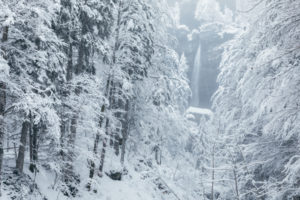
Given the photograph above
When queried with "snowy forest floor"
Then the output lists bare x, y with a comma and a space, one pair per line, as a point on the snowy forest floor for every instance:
140, 183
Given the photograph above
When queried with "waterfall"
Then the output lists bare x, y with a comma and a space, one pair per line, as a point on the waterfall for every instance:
195, 78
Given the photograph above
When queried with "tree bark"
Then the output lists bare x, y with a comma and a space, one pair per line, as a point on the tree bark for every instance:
21, 154
70, 61
107, 130
91, 163
125, 131
115, 135
103, 152
213, 173
114, 104
85, 51
33, 138
236, 183
73, 131
5, 34
68, 138
2, 128
2, 110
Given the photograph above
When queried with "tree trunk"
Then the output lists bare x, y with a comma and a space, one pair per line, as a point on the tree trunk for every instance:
236, 183
34, 148
85, 51
125, 131
73, 129
81, 66
112, 99
115, 135
112, 87
63, 131
21, 154
5, 34
2, 110
91, 163
107, 129
108, 95
213, 173
103, 152
2, 128
68, 138
70, 61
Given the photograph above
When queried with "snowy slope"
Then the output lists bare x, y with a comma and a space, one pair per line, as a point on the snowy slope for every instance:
141, 185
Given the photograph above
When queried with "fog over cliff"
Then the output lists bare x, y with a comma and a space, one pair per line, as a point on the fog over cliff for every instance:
199, 25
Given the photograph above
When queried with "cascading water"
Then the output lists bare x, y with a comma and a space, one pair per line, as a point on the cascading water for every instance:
195, 111
195, 78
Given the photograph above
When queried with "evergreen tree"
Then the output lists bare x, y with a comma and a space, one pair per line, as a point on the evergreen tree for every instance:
258, 100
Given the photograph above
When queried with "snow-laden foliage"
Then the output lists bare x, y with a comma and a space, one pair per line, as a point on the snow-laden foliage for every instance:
92, 93
258, 102
4, 68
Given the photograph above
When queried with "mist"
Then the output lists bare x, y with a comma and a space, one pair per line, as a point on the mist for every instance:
149, 100
190, 35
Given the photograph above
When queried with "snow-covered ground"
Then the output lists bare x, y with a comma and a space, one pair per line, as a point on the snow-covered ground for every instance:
195, 114
200, 111
141, 183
